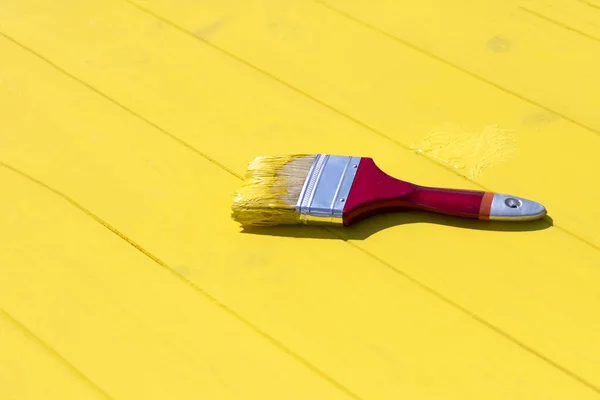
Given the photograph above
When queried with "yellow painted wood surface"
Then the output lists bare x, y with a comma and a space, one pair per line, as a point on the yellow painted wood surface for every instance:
125, 129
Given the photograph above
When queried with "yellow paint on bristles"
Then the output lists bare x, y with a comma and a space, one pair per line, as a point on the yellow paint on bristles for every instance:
271, 189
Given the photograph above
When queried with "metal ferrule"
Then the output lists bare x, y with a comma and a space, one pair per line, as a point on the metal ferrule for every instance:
326, 189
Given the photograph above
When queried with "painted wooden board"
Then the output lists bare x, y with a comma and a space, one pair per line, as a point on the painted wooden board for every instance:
118, 322
125, 130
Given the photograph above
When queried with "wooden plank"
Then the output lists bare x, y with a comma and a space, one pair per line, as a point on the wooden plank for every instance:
345, 313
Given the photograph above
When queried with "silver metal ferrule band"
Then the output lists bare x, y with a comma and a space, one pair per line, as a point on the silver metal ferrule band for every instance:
326, 189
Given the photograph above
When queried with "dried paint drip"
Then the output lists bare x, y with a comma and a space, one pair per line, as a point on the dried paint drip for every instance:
469, 153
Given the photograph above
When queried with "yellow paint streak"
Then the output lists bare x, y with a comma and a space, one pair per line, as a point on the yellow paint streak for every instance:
469, 153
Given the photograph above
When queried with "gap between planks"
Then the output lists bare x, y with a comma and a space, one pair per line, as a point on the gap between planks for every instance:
184, 280
560, 24
34, 338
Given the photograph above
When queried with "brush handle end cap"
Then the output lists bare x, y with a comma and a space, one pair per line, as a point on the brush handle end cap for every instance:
504, 207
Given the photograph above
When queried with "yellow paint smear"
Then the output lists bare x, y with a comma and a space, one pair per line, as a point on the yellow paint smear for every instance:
469, 153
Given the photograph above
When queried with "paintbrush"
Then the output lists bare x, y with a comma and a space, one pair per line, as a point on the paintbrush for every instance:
341, 190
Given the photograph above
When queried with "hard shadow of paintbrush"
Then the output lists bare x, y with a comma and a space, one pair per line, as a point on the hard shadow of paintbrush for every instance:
363, 229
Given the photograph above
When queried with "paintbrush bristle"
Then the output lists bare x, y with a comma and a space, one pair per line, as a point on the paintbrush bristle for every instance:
270, 191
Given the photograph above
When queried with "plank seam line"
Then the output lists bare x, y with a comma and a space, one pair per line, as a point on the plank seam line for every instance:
558, 23
189, 283
455, 66
484, 322
252, 327
55, 354
460, 308
247, 323
347, 116
588, 3
123, 107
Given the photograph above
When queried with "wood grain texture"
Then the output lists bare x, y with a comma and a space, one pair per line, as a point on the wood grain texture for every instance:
146, 119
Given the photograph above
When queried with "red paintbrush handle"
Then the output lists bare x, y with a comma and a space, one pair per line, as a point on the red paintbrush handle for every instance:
374, 192
460, 203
